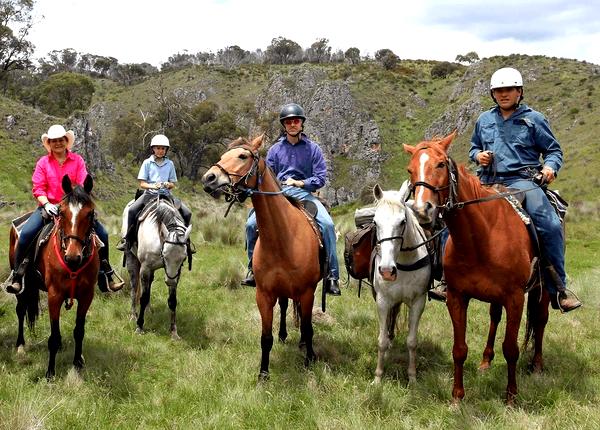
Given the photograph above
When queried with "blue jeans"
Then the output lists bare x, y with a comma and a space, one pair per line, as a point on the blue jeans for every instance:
324, 222
548, 227
33, 226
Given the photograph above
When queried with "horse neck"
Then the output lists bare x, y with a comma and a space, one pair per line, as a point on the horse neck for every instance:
273, 211
471, 224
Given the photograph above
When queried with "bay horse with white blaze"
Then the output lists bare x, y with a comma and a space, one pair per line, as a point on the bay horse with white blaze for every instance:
488, 257
66, 267
402, 271
286, 257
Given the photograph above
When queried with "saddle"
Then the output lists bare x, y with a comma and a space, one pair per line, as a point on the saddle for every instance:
360, 245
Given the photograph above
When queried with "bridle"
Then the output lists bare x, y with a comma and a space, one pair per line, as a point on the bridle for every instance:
239, 190
452, 187
162, 255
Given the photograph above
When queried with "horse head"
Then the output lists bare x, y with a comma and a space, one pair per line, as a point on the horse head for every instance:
429, 174
390, 220
75, 221
237, 168
174, 238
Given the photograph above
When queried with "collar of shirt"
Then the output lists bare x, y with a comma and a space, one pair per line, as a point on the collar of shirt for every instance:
162, 161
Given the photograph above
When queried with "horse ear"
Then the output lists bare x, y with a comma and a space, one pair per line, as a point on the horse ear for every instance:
67, 186
377, 192
446, 141
405, 190
88, 183
408, 148
257, 142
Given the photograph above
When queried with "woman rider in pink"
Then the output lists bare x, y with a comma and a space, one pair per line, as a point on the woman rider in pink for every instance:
47, 189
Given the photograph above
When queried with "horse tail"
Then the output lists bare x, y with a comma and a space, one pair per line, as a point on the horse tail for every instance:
533, 307
32, 305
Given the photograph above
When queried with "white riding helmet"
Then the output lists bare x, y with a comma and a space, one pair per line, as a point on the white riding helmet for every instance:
506, 77
159, 140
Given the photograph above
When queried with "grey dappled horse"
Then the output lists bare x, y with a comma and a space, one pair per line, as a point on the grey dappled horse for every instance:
401, 272
161, 243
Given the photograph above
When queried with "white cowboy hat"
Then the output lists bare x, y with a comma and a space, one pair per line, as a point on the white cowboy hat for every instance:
56, 131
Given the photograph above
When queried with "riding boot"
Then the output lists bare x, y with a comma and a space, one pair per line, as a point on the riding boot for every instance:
191, 246
438, 292
249, 281
567, 303
122, 245
332, 286
105, 278
14, 283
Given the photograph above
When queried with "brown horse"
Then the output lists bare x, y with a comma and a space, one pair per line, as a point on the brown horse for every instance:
286, 257
66, 267
488, 257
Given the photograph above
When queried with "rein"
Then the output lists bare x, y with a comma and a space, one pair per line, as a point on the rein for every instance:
73, 275
452, 185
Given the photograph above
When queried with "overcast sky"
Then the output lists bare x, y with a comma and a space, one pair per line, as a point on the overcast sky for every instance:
137, 31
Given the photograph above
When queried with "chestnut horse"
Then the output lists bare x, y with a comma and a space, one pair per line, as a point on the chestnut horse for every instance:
66, 267
286, 257
488, 257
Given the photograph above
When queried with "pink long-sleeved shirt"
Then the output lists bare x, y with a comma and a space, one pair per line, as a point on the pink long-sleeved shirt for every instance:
48, 174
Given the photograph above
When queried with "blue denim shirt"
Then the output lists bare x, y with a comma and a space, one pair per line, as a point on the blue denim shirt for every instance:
303, 161
517, 142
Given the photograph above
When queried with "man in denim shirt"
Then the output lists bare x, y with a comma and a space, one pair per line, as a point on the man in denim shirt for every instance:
300, 167
508, 143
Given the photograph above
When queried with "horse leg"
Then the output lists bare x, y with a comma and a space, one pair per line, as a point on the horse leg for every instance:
145, 284
133, 267
510, 346
306, 328
414, 317
172, 301
265, 307
79, 330
384, 310
537, 314
488, 352
457, 307
283, 305
393, 317
21, 310
55, 339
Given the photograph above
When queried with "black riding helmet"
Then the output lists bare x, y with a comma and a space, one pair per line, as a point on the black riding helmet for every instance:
291, 110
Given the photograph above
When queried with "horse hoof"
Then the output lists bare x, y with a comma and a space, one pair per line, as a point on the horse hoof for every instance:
175, 336
21, 350
484, 366
376, 381
133, 317
263, 376
139, 330
49, 376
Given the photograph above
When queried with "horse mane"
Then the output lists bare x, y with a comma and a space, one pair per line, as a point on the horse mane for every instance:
240, 141
166, 214
79, 196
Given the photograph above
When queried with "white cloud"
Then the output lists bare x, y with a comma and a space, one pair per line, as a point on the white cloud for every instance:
152, 30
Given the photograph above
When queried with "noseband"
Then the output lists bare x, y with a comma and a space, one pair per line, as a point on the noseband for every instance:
164, 261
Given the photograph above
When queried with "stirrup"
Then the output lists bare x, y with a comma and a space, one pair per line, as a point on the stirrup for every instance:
8, 285
576, 305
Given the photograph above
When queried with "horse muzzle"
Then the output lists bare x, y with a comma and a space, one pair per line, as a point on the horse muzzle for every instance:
388, 273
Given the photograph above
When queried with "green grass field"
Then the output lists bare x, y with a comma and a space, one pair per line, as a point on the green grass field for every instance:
209, 378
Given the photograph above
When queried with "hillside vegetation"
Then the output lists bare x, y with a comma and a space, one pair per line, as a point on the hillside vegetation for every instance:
208, 379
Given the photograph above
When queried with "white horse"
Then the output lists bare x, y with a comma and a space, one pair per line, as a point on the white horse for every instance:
401, 271
161, 243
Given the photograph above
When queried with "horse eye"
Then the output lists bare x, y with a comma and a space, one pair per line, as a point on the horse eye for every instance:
441, 165
243, 156
409, 171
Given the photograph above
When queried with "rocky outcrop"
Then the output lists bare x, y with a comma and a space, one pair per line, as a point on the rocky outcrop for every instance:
88, 136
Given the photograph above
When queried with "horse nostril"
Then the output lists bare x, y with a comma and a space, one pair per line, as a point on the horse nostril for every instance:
210, 177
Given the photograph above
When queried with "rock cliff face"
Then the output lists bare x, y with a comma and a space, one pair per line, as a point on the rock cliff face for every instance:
343, 131
88, 135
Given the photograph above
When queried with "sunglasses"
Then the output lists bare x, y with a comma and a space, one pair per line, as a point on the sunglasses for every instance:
291, 121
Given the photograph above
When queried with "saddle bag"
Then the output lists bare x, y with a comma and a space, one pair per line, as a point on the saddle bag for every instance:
359, 244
